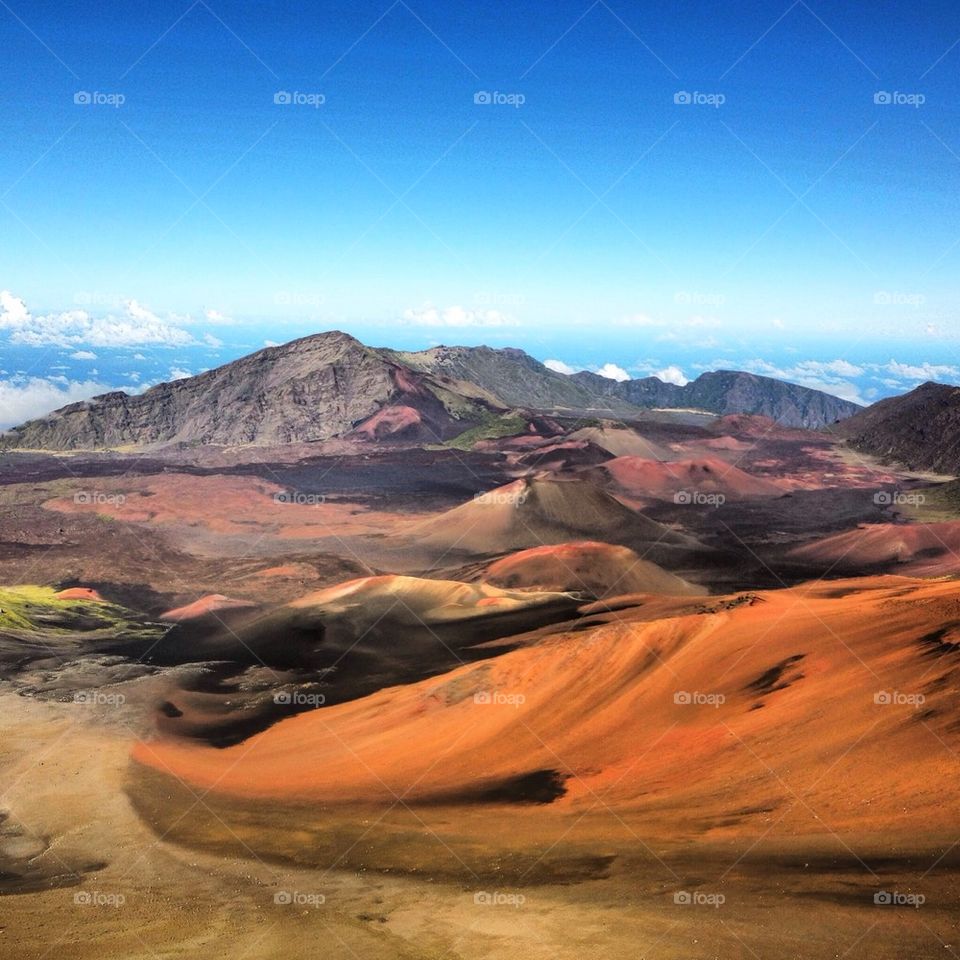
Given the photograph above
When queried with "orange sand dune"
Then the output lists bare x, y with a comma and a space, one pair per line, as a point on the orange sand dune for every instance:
419, 600
650, 478
599, 569
812, 711
80, 593
924, 548
532, 512
205, 605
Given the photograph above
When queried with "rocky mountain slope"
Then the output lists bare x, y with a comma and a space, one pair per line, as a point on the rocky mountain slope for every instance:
331, 385
920, 429
519, 380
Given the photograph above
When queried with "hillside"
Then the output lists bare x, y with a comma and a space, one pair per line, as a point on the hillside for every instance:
330, 385
920, 429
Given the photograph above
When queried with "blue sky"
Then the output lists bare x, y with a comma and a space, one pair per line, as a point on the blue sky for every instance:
666, 187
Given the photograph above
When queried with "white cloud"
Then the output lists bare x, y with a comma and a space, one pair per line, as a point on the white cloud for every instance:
215, 316
672, 374
271, 343
612, 372
924, 371
83, 355
558, 366
430, 316
827, 376
75, 327
211, 341
26, 398
178, 373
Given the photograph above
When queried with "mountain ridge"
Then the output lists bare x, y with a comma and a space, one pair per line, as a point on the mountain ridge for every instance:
330, 385
920, 429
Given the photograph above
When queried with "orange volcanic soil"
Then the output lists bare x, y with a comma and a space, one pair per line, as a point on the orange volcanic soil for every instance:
224, 505
599, 569
650, 478
80, 593
819, 710
413, 598
532, 512
924, 548
205, 605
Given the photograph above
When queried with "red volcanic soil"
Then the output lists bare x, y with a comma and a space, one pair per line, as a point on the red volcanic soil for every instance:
532, 512
225, 504
599, 569
818, 711
80, 593
755, 426
391, 421
205, 605
651, 478
931, 549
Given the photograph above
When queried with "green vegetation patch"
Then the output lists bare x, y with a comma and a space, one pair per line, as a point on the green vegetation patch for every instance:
31, 610
491, 428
